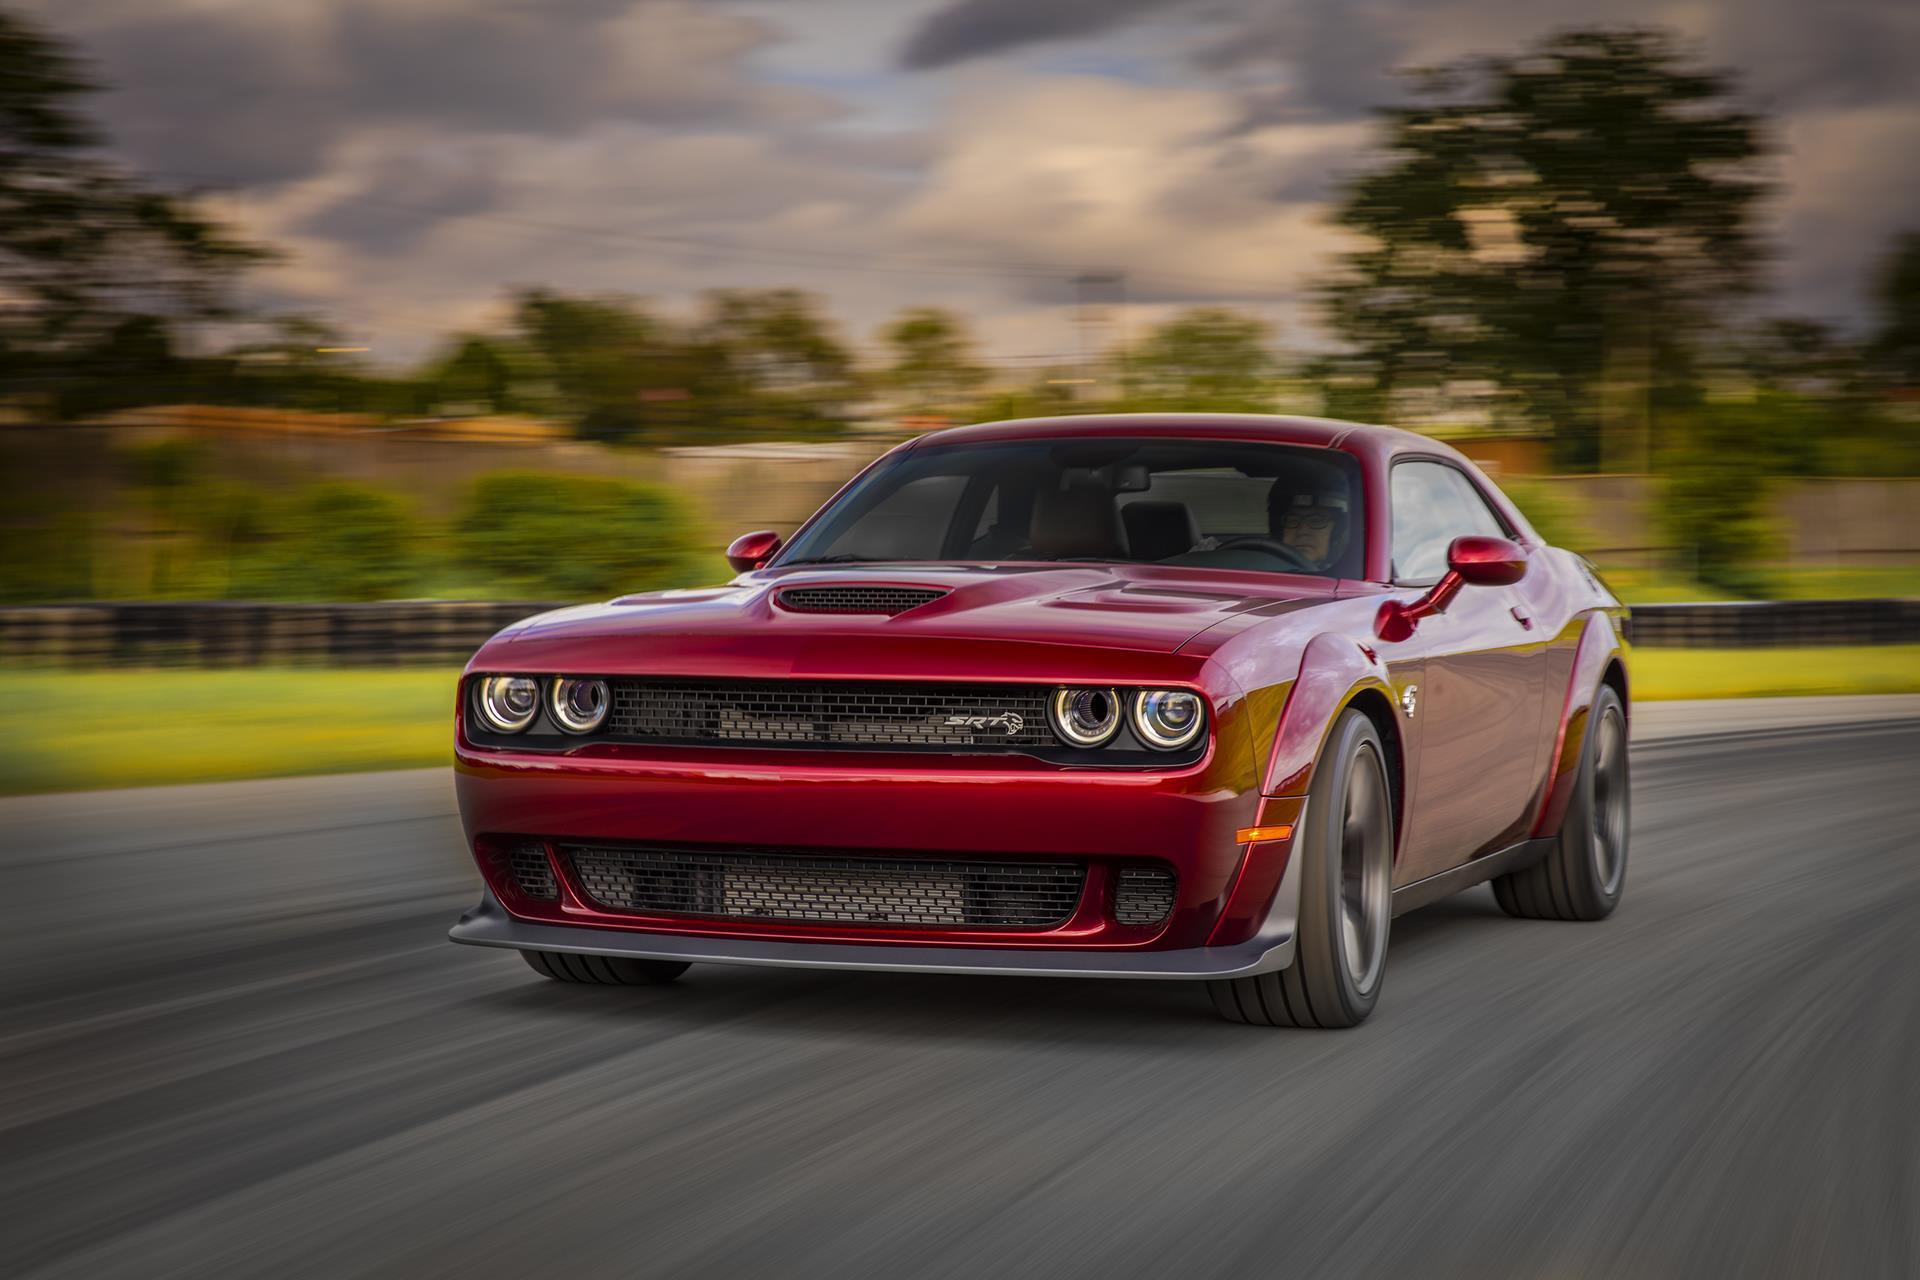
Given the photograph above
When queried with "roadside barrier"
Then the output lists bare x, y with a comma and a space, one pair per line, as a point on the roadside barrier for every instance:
444, 632
1773, 624
225, 634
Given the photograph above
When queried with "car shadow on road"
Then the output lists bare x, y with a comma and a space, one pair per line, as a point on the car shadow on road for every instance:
886, 1007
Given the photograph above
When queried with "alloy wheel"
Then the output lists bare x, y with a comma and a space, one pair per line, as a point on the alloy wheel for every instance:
1366, 890
1609, 840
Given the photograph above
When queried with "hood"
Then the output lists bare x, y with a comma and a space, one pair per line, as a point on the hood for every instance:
977, 611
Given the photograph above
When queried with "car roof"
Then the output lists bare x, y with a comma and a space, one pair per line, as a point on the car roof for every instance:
1365, 439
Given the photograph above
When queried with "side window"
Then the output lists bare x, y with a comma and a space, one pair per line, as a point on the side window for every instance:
1432, 505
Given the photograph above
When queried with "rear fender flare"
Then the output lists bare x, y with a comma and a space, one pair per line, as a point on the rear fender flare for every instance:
1599, 645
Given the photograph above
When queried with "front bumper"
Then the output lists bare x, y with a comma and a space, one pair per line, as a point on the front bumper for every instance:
1270, 950
1226, 916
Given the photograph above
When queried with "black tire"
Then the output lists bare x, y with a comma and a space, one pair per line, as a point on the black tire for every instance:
1346, 895
605, 971
1583, 875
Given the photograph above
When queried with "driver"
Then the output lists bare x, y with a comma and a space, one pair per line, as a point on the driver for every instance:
1313, 525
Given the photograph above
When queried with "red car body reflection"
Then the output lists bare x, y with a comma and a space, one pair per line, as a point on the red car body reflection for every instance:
1480, 687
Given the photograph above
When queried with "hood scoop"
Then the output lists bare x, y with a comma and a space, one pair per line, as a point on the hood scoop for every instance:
856, 598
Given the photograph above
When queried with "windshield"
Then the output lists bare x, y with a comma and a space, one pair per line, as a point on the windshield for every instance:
1222, 504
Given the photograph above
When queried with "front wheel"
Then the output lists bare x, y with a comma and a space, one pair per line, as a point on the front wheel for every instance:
605, 971
1582, 877
1346, 895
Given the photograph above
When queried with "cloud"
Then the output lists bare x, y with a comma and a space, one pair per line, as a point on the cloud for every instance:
259, 93
1850, 186
418, 157
1333, 57
1841, 78
1084, 173
975, 28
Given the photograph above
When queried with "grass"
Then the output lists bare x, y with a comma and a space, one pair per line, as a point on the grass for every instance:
1662, 674
63, 731
70, 731
1650, 586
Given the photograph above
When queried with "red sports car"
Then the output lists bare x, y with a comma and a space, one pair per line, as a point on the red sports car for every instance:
1139, 696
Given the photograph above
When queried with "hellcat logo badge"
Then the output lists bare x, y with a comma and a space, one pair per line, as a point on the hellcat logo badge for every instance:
1409, 699
1012, 721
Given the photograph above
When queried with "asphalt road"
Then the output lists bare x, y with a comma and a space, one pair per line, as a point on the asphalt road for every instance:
236, 1043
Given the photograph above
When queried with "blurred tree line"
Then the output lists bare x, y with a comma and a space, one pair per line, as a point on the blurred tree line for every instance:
187, 532
1550, 241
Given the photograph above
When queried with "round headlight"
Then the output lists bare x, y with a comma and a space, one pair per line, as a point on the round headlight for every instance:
579, 706
1168, 718
509, 703
1085, 717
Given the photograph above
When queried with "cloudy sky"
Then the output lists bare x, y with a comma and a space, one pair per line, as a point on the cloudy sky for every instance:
418, 157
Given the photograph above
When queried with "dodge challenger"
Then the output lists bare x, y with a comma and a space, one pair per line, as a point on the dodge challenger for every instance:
1204, 697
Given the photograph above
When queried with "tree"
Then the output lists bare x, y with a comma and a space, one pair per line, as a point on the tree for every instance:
1895, 349
615, 369
1206, 359
774, 339
1559, 223
97, 266
481, 373
933, 360
770, 364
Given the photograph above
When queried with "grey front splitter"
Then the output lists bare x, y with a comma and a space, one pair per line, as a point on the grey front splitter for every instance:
489, 925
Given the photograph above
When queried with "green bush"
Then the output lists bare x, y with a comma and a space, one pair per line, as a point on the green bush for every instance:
50, 552
1717, 492
333, 541
1553, 515
575, 537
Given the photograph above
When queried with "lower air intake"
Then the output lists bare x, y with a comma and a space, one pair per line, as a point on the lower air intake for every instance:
848, 890
532, 873
1143, 896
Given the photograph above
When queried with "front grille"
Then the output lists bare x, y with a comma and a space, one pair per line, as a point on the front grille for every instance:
1143, 896
887, 600
532, 873
838, 714
851, 890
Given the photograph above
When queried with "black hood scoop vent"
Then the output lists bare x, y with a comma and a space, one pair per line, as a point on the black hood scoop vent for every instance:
856, 598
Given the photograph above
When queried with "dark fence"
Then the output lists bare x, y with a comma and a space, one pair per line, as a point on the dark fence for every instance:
220, 634
1776, 623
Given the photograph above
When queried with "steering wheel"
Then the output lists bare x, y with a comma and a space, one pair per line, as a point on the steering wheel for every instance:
1268, 545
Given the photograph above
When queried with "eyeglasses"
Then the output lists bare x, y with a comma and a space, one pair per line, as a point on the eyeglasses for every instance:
1314, 520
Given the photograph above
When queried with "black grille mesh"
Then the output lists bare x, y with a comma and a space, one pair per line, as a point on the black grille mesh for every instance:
532, 873
1143, 896
830, 714
888, 600
854, 890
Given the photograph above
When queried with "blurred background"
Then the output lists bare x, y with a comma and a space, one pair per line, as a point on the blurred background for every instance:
337, 334
337, 302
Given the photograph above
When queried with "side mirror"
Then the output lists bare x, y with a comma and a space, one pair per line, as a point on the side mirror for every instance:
1486, 562
1471, 561
752, 550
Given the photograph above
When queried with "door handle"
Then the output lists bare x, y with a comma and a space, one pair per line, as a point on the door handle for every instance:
1522, 617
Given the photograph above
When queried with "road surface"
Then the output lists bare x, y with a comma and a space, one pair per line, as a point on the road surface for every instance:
235, 1043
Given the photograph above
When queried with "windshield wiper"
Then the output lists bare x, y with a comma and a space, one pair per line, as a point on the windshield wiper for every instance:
843, 558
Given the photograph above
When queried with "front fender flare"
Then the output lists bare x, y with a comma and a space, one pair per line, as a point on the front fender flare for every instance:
1264, 900
1333, 671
